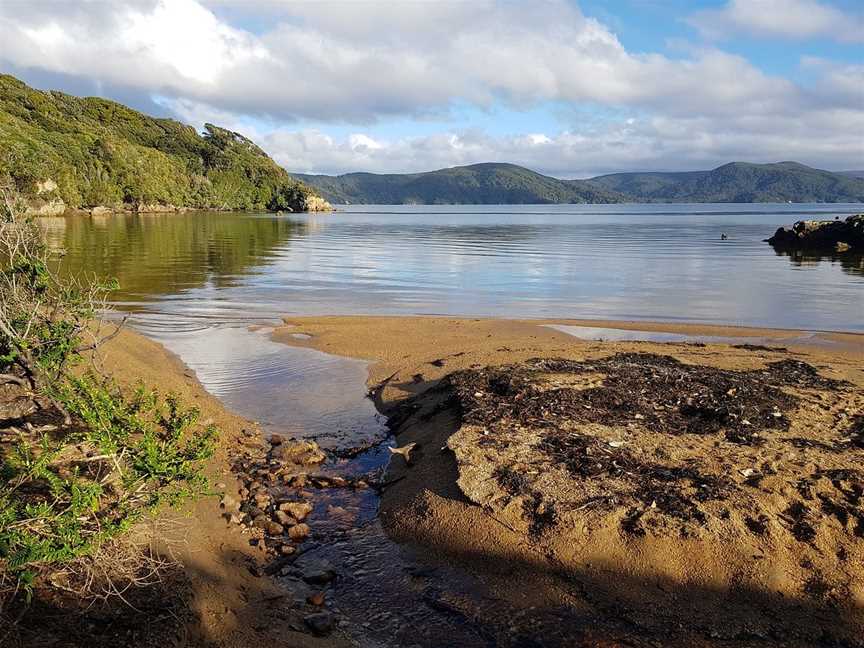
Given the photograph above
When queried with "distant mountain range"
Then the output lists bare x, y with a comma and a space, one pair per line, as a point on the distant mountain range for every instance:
482, 184
496, 183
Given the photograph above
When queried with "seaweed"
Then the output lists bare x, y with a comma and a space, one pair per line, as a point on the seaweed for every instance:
759, 347
662, 395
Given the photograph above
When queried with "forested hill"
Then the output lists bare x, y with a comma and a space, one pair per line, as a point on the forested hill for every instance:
740, 182
494, 183
69, 152
486, 184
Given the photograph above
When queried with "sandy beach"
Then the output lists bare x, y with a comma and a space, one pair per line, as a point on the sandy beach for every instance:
770, 557
658, 538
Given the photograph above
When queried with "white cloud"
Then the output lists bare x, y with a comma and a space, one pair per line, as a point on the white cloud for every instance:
361, 61
659, 142
366, 61
359, 141
796, 19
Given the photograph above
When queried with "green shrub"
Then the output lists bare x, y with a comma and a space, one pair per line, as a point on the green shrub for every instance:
131, 456
93, 460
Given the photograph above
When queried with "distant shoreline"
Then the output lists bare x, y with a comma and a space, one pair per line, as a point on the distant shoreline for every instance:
502, 183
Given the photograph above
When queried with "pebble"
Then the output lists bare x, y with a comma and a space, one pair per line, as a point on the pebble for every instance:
283, 518
316, 599
320, 623
253, 511
275, 439
298, 481
271, 527
299, 532
297, 510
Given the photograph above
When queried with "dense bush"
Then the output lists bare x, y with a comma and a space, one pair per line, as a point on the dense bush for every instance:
80, 459
99, 152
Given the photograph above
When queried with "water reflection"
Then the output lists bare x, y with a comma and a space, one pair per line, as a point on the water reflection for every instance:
850, 262
163, 254
648, 262
603, 334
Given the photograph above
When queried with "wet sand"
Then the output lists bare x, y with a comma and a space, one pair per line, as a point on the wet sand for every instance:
591, 584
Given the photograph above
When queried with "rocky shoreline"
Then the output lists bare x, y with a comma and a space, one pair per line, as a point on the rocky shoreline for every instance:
822, 235
48, 203
57, 207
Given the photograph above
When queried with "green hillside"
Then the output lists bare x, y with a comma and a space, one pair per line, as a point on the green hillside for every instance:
93, 152
480, 184
493, 183
738, 182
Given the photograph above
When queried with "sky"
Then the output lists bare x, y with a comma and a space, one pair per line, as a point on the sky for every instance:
571, 89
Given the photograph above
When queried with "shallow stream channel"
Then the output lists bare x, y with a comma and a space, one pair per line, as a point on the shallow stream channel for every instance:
384, 593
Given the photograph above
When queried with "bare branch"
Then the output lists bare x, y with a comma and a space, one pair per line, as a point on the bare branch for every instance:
100, 341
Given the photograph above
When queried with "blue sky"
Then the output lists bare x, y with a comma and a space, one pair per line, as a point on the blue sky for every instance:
569, 88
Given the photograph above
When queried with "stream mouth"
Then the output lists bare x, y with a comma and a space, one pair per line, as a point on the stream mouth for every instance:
385, 594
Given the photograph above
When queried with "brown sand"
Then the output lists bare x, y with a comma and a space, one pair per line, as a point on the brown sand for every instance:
697, 583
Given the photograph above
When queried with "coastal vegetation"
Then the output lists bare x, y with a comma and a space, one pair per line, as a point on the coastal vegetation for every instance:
67, 152
81, 460
511, 184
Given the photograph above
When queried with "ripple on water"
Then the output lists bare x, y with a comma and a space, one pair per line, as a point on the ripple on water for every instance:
294, 391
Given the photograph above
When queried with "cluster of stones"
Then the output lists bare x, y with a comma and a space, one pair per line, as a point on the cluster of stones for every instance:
274, 501
273, 504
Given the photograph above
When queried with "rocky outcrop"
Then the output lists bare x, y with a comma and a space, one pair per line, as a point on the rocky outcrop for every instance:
837, 235
46, 202
39, 207
317, 204
154, 208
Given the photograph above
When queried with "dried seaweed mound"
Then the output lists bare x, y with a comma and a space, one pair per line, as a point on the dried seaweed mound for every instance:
663, 393
660, 443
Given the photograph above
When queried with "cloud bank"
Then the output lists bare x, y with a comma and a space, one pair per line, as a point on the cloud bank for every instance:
366, 62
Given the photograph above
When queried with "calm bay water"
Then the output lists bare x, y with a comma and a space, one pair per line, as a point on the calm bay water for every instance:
652, 262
